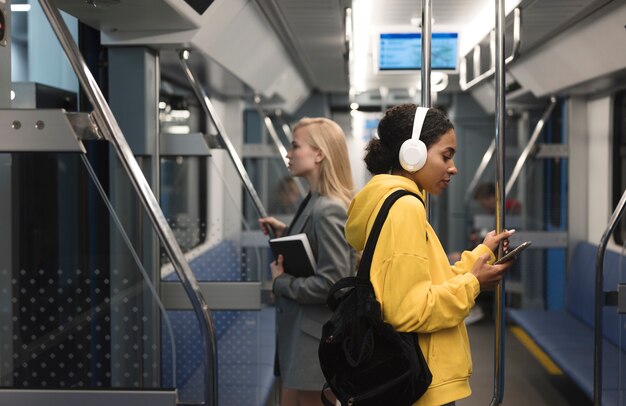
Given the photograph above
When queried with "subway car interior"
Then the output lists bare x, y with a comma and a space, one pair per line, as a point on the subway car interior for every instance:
141, 140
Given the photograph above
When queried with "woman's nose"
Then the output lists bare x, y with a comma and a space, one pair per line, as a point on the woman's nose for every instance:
453, 169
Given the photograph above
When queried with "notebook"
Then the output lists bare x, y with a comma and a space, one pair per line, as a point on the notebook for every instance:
298, 259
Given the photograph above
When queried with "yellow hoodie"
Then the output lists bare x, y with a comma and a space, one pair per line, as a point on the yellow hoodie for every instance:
415, 284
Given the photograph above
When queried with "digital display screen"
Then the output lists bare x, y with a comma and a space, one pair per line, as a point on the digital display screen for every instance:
403, 51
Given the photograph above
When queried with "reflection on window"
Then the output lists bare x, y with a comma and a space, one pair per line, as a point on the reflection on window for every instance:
285, 197
184, 199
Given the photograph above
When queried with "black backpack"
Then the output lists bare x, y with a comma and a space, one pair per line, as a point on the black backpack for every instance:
366, 361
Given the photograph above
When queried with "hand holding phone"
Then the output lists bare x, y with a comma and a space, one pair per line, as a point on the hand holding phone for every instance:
511, 255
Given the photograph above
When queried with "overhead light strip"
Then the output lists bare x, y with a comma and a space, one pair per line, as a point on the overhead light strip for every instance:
20, 7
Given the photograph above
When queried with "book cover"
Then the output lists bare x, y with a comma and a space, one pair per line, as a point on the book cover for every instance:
298, 259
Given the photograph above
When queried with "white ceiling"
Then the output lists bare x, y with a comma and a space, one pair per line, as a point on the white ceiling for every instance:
314, 33
455, 13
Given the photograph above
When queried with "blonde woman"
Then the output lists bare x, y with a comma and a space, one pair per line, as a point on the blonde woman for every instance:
318, 154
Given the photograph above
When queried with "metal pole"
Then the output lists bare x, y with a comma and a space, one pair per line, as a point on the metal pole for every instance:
112, 132
212, 113
384, 98
425, 71
156, 165
5, 56
498, 394
597, 329
426, 33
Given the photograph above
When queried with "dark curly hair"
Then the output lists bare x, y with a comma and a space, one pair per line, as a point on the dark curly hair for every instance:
394, 128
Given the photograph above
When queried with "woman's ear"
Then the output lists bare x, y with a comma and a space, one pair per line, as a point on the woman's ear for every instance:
319, 156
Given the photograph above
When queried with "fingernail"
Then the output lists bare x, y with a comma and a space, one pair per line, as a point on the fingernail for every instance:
512, 230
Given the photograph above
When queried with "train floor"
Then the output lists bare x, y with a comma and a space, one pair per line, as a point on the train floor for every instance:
526, 381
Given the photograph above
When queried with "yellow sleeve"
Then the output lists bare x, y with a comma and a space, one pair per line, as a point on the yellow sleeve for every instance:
402, 279
468, 258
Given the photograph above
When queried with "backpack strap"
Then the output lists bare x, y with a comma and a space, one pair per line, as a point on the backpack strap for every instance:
333, 298
372, 239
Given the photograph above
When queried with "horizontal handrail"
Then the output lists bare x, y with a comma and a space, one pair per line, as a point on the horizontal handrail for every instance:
464, 84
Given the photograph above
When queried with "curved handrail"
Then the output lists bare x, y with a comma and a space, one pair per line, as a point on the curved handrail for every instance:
108, 125
465, 85
599, 292
531, 143
209, 109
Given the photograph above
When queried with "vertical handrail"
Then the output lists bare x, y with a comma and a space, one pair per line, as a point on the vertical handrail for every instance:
384, 98
479, 172
425, 72
531, 143
209, 109
498, 384
108, 125
599, 291
426, 54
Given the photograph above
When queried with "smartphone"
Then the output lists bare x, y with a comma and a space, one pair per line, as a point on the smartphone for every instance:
511, 255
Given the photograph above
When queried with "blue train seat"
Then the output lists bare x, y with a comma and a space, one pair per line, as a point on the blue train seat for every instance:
567, 336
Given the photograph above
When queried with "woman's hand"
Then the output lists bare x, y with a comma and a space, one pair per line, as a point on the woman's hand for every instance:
492, 240
489, 275
277, 267
267, 223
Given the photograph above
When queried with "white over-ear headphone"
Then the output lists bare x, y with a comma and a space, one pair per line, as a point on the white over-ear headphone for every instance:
413, 151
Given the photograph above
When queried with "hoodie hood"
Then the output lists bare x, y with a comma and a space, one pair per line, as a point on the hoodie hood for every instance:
367, 203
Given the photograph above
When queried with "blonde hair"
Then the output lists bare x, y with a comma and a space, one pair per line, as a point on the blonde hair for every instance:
335, 173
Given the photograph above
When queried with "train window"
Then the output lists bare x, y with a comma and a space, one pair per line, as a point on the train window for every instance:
556, 169
619, 159
183, 173
277, 189
253, 128
184, 198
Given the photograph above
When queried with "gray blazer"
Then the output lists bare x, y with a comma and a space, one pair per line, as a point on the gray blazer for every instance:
301, 307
